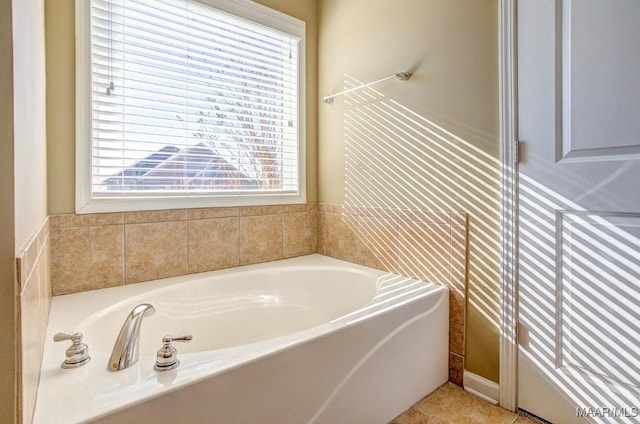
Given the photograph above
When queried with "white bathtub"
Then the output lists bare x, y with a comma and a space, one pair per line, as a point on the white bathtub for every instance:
303, 340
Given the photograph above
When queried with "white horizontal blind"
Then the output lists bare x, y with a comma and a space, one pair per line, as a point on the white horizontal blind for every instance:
190, 100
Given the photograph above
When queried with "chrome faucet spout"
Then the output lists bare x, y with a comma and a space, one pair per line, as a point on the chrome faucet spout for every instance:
125, 350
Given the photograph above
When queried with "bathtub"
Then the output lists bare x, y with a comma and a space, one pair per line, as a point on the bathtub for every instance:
303, 340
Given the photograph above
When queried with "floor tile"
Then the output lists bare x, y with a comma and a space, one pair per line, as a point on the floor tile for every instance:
524, 420
450, 404
413, 416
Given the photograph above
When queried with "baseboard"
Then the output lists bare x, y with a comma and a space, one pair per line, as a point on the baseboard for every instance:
481, 387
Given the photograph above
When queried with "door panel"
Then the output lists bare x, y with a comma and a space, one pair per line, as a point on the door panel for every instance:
579, 209
600, 63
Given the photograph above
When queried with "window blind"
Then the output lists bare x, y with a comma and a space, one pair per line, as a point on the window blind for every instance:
187, 99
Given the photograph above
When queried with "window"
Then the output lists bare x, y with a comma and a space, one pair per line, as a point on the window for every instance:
188, 104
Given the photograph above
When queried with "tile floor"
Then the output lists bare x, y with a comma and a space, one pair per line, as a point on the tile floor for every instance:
450, 404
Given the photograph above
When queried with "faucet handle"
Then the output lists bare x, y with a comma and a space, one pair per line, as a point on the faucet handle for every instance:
77, 354
168, 339
167, 356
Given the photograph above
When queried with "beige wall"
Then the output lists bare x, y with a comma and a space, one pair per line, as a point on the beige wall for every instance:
61, 94
29, 119
429, 143
7, 229
61, 119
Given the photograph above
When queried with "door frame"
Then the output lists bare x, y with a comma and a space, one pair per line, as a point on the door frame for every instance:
508, 103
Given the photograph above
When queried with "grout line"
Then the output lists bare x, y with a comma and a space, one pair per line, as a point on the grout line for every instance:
240, 242
188, 247
429, 416
25, 283
282, 234
124, 254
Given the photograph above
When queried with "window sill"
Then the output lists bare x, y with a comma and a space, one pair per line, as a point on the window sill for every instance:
103, 205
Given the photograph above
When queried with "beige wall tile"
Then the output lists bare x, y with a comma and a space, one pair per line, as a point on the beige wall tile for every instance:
33, 320
456, 368
457, 294
305, 207
136, 257
261, 239
86, 220
25, 262
28, 255
321, 217
261, 210
213, 244
457, 317
155, 250
209, 213
329, 208
45, 288
35, 299
155, 216
424, 251
300, 234
377, 242
340, 237
87, 258
459, 257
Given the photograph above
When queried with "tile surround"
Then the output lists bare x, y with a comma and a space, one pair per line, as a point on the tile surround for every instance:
340, 240
261, 238
213, 243
155, 250
427, 245
94, 251
103, 250
139, 217
458, 286
378, 243
300, 233
34, 282
87, 258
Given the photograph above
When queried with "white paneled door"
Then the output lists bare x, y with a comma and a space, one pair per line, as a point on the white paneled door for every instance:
579, 210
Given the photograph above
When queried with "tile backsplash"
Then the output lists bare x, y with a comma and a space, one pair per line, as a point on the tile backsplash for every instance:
95, 251
34, 282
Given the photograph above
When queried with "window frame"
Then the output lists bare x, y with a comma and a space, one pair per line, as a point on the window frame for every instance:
85, 202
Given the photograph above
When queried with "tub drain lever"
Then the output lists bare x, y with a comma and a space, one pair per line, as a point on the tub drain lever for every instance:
167, 356
77, 354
